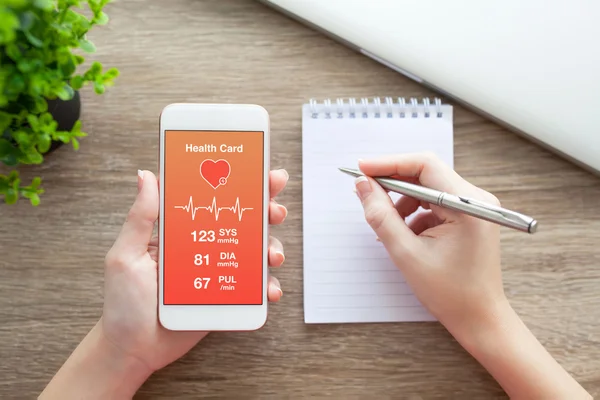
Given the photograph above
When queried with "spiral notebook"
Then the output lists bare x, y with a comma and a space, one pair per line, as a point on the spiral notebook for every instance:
348, 277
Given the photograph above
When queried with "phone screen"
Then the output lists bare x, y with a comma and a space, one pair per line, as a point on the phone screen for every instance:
213, 218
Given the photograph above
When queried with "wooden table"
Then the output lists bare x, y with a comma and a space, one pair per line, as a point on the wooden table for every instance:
241, 51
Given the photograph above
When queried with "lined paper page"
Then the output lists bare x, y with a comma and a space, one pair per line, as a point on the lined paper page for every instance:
348, 276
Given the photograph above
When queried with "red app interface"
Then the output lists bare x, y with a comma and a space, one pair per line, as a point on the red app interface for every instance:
213, 218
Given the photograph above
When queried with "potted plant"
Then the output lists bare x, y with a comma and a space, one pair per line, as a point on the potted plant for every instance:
39, 83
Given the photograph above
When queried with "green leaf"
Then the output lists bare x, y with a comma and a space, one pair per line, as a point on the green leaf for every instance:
12, 50
4, 184
48, 124
87, 46
33, 40
43, 4
27, 65
99, 87
109, 76
34, 122
68, 68
15, 85
94, 5
75, 143
22, 138
101, 18
63, 136
9, 154
65, 93
95, 68
16, 184
9, 23
34, 157
11, 196
46, 118
41, 105
38, 86
77, 82
76, 127
14, 3
5, 120
44, 142
76, 130
63, 55
111, 73
79, 59
51, 127
34, 199
22, 114
26, 20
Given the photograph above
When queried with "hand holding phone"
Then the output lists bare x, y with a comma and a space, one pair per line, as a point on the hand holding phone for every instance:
131, 289
128, 343
213, 225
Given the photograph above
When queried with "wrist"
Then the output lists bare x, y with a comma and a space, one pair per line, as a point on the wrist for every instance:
124, 372
98, 369
505, 347
476, 330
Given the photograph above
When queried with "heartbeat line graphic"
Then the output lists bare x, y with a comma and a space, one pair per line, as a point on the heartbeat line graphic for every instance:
236, 208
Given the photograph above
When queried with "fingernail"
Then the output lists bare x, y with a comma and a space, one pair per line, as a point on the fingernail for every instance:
377, 238
285, 211
287, 176
140, 179
282, 256
280, 291
363, 187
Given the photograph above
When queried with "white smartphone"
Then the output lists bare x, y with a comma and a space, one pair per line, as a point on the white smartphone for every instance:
214, 215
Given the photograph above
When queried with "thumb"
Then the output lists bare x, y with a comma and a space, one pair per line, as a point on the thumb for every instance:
139, 225
383, 218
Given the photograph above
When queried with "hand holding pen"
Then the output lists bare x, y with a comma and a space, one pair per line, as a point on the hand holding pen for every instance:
451, 261
475, 208
438, 250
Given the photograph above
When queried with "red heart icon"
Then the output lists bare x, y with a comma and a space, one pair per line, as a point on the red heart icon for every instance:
215, 172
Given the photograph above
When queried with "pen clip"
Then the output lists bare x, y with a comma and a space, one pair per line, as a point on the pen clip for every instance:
510, 215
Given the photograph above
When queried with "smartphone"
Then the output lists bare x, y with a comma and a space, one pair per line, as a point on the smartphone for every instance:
213, 223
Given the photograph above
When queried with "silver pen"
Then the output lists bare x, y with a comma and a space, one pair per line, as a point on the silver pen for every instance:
462, 204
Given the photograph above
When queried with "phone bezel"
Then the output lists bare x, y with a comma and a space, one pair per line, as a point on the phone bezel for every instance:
216, 117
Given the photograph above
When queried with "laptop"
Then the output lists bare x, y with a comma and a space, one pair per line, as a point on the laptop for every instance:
531, 66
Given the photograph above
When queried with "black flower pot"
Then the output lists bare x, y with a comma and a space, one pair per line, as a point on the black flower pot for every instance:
66, 113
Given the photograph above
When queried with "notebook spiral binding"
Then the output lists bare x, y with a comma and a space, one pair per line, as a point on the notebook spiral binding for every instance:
376, 108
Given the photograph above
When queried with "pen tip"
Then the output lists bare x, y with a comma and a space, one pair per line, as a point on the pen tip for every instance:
349, 171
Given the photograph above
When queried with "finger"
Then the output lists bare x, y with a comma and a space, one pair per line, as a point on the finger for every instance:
137, 230
423, 221
277, 181
277, 213
383, 218
274, 292
407, 205
276, 256
428, 168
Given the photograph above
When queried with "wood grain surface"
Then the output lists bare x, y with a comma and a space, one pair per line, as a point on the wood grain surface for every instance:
51, 267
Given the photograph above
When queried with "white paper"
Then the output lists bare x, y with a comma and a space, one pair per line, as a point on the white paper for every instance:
348, 276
